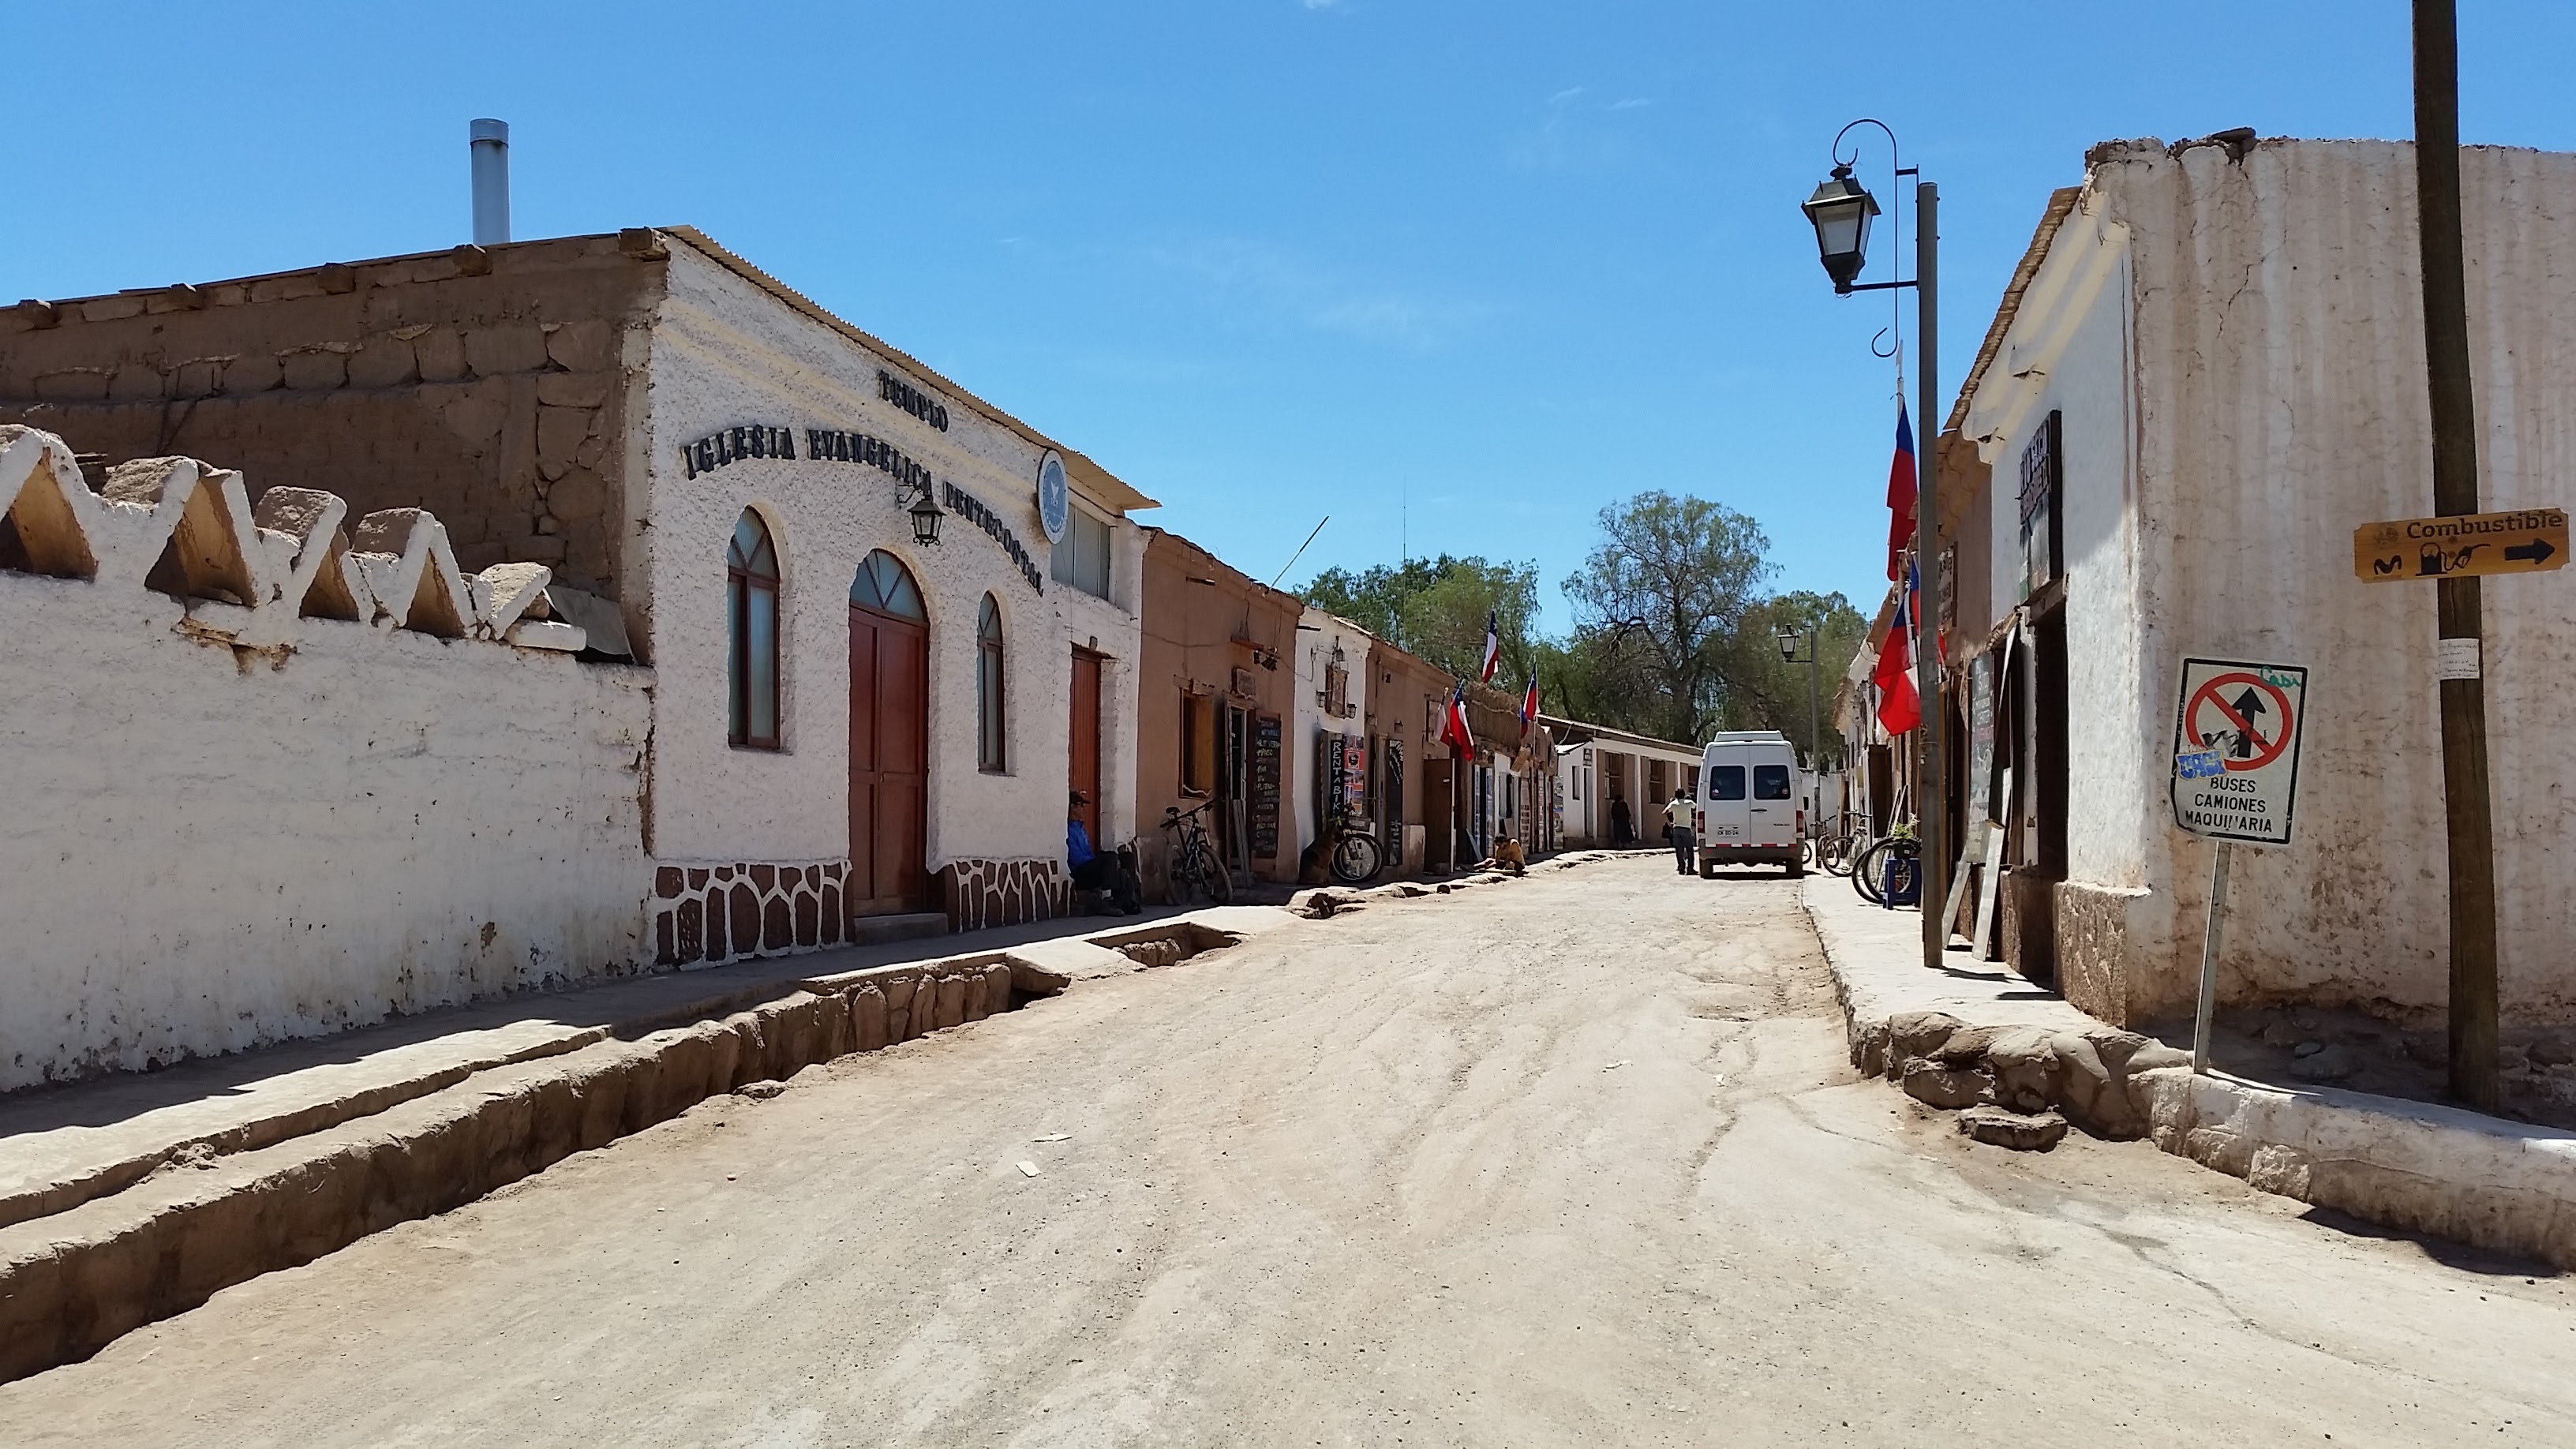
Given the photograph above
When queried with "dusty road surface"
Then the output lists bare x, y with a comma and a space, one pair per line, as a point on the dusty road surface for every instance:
1574, 1160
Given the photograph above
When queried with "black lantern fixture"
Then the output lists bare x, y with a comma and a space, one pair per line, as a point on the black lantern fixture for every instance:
926, 514
1788, 638
1841, 210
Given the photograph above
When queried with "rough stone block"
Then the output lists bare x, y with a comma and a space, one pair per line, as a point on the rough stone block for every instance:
559, 432
589, 345
2022, 1132
383, 361
1935, 1085
975, 1008
314, 370
949, 1003
1912, 1034
440, 355
251, 373
573, 389
512, 347
868, 1023
579, 496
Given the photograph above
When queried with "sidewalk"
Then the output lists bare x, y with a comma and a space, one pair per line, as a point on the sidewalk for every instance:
1976, 1032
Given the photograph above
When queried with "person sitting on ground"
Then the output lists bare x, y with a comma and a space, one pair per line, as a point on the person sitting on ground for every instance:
1093, 871
1507, 856
1678, 832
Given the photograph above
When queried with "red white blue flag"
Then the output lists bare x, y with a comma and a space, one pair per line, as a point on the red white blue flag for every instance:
1900, 708
1493, 649
1453, 728
1900, 492
1529, 705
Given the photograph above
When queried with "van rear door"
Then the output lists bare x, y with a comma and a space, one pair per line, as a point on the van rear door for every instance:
1772, 814
1725, 791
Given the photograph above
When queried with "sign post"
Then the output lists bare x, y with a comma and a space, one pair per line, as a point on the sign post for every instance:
2235, 780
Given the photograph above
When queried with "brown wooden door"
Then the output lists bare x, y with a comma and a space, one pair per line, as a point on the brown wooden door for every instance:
889, 764
1439, 813
1083, 761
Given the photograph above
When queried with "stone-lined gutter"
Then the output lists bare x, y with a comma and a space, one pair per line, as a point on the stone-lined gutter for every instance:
1979, 1034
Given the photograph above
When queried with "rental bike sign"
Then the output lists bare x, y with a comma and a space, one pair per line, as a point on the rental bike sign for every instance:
2236, 749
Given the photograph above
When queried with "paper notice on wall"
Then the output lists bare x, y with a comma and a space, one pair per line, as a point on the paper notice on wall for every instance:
2455, 659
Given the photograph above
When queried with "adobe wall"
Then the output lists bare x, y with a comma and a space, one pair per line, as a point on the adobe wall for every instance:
486, 385
1187, 645
231, 824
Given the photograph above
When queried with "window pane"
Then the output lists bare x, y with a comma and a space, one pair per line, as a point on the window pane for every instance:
762, 681
1082, 559
1726, 782
734, 669
988, 707
1770, 782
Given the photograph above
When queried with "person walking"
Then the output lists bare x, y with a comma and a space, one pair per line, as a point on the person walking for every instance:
1677, 829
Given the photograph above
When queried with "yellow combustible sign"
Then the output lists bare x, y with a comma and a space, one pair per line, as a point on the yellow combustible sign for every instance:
2524, 541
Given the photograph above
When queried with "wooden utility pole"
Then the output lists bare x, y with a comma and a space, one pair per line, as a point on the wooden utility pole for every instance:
2457, 606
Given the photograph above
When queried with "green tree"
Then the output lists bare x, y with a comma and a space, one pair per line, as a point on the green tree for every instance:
1767, 692
1673, 579
1437, 608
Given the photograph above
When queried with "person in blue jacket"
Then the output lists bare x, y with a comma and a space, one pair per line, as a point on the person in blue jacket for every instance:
1093, 871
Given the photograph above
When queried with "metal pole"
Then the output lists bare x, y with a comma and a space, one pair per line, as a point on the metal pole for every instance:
488, 142
2209, 961
2456, 602
1933, 809
1815, 737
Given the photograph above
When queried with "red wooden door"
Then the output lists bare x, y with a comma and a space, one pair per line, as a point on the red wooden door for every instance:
889, 763
1083, 768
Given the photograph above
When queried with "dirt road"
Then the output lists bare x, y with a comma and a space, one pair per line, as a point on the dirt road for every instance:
1573, 1160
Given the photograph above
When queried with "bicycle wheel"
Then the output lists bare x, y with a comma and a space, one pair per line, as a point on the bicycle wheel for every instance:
1864, 874
1356, 858
1837, 855
1177, 877
1219, 880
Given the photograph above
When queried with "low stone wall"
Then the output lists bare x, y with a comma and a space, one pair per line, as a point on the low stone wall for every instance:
978, 894
706, 915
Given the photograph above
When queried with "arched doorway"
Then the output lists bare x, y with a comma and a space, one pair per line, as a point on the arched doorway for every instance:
889, 740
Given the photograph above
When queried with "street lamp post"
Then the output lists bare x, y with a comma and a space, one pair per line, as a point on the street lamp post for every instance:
1841, 210
1815, 738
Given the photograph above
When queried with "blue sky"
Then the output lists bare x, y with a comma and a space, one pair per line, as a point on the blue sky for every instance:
1456, 275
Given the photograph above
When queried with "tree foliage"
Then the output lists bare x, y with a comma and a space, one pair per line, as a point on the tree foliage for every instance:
1673, 578
1436, 608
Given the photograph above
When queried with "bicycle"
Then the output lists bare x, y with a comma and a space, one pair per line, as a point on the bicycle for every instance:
1193, 868
1897, 855
1355, 856
1837, 847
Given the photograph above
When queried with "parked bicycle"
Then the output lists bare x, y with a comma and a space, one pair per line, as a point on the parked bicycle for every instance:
1354, 857
1838, 845
1192, 867
1895, 859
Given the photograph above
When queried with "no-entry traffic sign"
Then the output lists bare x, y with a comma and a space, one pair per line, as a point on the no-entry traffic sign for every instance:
2236, 749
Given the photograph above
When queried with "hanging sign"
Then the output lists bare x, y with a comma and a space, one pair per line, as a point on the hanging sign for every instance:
2236, 749
2525, 541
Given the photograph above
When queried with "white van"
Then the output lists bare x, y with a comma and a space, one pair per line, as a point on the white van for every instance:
1749, 812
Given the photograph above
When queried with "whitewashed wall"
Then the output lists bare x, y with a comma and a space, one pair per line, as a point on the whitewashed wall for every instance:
727, 353
1318, 635
209, 850
2275, 400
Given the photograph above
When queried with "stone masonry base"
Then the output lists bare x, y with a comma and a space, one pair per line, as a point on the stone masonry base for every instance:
713, 914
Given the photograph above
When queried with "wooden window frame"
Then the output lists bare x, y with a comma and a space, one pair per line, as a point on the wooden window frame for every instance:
992, 696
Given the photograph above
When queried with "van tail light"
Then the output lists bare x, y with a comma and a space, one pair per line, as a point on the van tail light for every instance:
1699, 822
1802, 822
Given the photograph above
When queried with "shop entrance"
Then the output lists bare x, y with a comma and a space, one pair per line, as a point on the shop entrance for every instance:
889, 741
1083, 772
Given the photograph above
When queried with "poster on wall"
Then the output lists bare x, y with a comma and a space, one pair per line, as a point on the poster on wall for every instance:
1349, 777
1263, 787
1981, 736
2042, 473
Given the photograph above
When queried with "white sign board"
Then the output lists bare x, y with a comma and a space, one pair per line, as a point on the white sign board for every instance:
2236, 749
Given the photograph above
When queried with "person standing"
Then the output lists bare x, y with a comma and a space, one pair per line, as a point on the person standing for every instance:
1677, 829
1620, 830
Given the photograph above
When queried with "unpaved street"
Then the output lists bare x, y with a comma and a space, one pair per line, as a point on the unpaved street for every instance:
1571, 1160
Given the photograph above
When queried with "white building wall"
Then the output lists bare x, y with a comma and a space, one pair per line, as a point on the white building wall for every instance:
1319, 634
210, 850
727, 353
2278, 389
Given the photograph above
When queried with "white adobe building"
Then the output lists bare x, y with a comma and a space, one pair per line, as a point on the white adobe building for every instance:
2207, 373
1331, 714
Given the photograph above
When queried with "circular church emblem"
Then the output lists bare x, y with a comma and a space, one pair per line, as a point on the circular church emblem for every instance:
1055, 505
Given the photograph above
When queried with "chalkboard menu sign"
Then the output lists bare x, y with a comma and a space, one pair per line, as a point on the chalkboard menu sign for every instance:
1264, 787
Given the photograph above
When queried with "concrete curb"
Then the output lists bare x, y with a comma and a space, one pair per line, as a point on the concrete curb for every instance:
2411, 1166
73, 1281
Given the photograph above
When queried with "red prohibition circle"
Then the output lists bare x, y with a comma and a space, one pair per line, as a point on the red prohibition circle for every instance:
2266, 751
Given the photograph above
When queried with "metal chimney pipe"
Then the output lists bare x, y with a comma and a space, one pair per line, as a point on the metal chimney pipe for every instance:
490, 140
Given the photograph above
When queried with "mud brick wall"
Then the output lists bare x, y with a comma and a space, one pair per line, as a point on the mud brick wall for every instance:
484, 385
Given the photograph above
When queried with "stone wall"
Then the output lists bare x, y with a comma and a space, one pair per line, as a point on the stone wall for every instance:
708, 915
486, 385
981, 893
273, 773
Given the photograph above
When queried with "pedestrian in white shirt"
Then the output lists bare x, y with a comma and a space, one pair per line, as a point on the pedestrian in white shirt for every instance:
1677, 829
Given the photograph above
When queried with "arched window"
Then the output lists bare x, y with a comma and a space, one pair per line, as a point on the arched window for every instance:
751, 611
988, 687
883, 585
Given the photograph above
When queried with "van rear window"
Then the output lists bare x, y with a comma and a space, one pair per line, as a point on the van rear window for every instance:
1726, 782
1770, 782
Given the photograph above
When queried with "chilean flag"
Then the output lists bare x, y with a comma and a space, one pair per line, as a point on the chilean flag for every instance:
1493, 650
1900, 708
1529, 705
1900, 492
1453, 728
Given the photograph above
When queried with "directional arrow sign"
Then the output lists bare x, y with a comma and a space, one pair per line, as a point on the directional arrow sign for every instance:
2524, 541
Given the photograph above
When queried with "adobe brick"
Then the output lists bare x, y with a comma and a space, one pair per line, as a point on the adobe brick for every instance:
383, 361
573, 389
441, 355
494, 351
